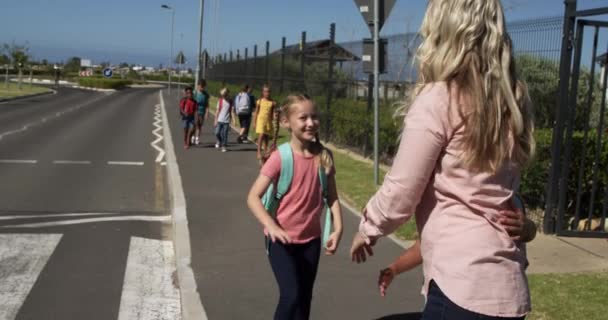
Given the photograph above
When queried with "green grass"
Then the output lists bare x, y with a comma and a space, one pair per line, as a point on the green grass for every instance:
26, 89
355, 180
569, 296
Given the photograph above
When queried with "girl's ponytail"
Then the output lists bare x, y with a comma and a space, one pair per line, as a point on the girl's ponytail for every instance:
325, 156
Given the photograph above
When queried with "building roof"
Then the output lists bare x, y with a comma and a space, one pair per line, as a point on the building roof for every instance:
319, 50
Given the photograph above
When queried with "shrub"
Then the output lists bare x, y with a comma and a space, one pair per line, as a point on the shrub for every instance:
103, 83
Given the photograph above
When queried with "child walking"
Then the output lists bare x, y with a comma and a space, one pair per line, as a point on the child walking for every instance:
223, 116
202, 112
264, 113
187, 107
295, 231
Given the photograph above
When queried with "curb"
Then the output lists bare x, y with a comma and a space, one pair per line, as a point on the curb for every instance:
29, 96
191, 305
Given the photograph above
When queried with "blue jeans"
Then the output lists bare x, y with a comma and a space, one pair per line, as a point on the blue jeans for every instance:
295, 269
221, 133
440, 307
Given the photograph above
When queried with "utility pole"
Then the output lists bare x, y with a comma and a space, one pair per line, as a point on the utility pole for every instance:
200, 44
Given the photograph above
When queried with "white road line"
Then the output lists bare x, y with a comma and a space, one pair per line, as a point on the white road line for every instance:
22, 257
89, 220
125, 163
163, 163
19, 161
57, 215
192, 307
71, 162
148, 292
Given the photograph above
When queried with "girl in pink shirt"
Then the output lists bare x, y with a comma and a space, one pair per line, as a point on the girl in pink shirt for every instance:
466, 137
295, 232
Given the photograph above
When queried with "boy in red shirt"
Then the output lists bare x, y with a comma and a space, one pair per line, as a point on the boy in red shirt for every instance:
187, 107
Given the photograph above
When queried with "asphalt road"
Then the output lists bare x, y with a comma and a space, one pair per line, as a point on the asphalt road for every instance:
83, 208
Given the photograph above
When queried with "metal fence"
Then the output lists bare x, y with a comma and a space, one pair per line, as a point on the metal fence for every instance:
332, 73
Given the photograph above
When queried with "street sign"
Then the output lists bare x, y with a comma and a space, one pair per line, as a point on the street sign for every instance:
366, 8
107, 72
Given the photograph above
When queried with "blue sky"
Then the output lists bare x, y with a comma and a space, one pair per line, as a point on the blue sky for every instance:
139, 30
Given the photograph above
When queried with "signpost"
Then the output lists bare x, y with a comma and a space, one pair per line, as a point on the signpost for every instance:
107, 72
374, 13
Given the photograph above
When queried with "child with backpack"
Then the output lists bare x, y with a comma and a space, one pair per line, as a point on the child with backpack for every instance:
264, 113
295, 185
187, 108
242, 104
223, 117
202, 113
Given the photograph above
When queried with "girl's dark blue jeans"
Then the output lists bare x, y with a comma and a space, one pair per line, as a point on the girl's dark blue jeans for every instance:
440, 307
295, 268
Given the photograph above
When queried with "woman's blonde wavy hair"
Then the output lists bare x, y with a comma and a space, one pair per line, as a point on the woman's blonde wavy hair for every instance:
466, 45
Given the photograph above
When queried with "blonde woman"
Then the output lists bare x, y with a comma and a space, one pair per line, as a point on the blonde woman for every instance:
467, 134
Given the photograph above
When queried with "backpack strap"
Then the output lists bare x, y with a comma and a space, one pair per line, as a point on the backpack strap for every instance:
286, 170
328, 216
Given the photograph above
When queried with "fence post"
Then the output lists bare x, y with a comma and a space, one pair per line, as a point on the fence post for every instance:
245, 66
562, 103
283, 41
330, 78
303, 59
224, 67
267, 71
255, 61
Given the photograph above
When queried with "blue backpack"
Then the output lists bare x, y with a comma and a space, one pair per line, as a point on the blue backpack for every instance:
274, 194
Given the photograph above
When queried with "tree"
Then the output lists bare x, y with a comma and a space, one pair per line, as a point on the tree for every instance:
73, 65
4, 60
542, 77
123, 65
19, 57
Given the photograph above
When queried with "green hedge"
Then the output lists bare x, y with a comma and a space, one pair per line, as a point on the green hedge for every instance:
103, 83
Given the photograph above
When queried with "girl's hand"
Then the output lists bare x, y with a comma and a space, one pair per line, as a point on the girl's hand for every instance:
215, 124
359, 248
384, 279
277, 234
332, 243
513, 222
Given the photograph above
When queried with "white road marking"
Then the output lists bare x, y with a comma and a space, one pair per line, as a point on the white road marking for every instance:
22, 258
192, 307
158, 127
71, 162
125, 163
19, 161
163, 163
148, 291
89, 220
57, 215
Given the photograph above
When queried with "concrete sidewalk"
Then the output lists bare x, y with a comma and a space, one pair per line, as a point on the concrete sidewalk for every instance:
230, 266
551, 254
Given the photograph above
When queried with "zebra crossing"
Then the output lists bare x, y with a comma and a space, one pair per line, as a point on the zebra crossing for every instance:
149, 288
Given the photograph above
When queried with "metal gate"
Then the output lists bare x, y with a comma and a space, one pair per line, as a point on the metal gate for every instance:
577, 190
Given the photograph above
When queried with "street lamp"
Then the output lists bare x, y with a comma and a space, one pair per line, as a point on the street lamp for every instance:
164, 6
